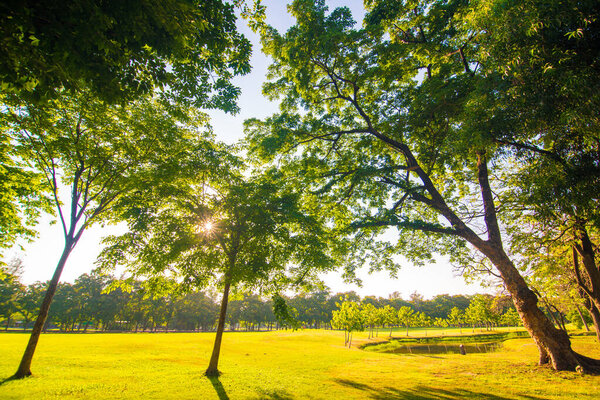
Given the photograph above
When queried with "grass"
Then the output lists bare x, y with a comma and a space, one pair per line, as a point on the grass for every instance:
279, 365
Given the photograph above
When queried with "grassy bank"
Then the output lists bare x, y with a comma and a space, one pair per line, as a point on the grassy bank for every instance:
278, 365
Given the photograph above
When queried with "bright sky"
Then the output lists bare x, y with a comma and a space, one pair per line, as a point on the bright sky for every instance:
40, 257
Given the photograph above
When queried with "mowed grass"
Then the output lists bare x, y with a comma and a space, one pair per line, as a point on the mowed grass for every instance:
278, 365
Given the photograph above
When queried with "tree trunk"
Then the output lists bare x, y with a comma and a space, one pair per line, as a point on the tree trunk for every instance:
587, 328
553, 344
214, 359
593, 310
24, 369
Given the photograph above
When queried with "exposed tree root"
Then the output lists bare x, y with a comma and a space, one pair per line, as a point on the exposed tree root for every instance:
587, 365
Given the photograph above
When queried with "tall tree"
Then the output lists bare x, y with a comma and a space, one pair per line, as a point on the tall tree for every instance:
104, 154
220, 228
393, 131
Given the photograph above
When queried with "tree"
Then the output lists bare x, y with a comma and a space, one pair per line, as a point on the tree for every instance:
390, 317
187, 51
349, 317
394, 132
457, 318
104, 154
227, 230
190, 50
406, 316
10, 289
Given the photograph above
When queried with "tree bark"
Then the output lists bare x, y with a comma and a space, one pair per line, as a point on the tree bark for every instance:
24, 369
214, 359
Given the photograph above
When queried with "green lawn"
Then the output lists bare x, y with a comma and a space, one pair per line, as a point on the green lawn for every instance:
278, 365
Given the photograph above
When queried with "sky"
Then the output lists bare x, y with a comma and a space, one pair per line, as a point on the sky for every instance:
40, 256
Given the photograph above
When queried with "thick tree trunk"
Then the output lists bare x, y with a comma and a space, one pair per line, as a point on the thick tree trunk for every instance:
212, 369
593, 310
24, 369
553, 344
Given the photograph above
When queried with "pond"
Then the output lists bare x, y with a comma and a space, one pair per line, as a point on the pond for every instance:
437, 348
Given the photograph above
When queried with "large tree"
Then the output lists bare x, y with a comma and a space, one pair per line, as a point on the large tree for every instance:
219, 228
103, 154
390, 123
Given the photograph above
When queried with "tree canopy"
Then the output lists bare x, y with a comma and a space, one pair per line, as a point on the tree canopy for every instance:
398, 125
188, 49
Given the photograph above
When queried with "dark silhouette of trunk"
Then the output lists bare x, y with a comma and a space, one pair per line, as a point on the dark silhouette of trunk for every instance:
24, 369
591, 307
213, 365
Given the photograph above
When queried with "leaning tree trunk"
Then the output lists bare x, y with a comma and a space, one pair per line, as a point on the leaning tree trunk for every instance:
24, 369
593, 310
553, 344
213, 369
588, 278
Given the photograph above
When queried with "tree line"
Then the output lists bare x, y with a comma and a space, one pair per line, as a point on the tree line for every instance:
99, 303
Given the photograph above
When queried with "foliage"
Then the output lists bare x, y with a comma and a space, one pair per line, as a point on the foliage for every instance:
189, 50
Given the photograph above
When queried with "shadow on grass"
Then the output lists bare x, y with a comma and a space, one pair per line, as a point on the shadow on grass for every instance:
214, 380
9, 379
275, 395
423, 393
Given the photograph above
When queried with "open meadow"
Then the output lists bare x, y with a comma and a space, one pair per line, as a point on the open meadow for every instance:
305, 364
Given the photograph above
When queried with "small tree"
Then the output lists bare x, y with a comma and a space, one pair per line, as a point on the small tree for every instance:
406, 316
390, 317
349, 317
456, 318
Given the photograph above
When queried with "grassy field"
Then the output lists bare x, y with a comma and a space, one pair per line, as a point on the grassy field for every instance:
279, 365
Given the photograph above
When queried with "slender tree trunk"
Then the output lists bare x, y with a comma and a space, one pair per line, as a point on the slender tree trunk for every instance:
593, 310
7, 323
587, 328
214, 359
25, 365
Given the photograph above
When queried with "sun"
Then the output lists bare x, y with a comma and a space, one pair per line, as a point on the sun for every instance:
208, 226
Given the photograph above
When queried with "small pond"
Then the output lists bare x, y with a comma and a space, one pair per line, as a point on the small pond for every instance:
436, 348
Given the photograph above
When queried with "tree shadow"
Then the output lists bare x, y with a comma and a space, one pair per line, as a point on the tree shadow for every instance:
214, 380
9, 379
275, 395
424, 393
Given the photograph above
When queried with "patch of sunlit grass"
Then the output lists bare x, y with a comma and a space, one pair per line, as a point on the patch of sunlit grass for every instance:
278, 365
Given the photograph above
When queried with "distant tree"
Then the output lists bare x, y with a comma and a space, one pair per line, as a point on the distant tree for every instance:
29, 302
350, 318
370, 316
10, 290
456, 317
407, 317
511, 318
390, 317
